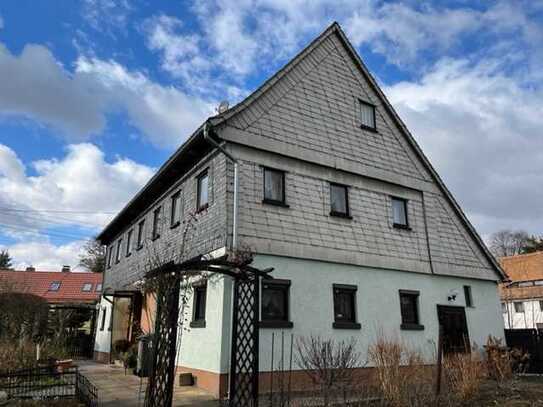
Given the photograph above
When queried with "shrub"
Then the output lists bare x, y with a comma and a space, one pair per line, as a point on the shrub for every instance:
464, 373
328, 363
498, 362
121, 346
401, 375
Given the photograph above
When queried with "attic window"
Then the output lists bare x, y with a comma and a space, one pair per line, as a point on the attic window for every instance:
98, 287
87, 287
55, 286
367, 116
399, 213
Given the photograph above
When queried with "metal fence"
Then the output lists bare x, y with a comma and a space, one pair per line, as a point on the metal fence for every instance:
45, 383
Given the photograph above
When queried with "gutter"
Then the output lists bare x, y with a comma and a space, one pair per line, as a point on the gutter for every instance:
207, 138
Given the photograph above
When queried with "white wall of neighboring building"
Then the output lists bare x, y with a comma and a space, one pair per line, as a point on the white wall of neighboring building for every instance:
529, 319
102, 342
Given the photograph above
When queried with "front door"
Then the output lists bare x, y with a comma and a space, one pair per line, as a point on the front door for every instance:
452, 321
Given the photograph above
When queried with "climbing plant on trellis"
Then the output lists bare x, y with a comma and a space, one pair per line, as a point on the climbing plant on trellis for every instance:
166, 281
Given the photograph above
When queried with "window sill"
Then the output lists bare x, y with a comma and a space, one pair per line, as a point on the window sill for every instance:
128, 254
275, 324
139, 247
202, 208
155, 238
400, 226
340, 215
276, 203
174, 225
198, 324
368, 128
346, 325
412, 327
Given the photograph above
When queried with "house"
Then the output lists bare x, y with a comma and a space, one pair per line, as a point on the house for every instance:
522, 295
317, 174
59, 288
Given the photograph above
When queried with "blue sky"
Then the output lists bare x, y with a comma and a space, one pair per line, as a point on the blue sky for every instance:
96, 94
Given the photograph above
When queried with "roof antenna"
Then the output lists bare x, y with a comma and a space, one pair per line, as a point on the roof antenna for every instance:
223, 107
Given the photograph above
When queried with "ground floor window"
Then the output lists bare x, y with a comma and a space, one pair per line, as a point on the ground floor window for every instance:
345, 306
274, 312
199, 306
519, 307
409, 308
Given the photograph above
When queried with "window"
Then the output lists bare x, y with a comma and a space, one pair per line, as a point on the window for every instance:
55, 286
339, 200
98, 287
175, 215
399, 213
275, 304
526, 284
156, 223
87, 287
504, 308
141, 234
541, 306
129, 242
409, 307
274, 187
203, 193
367, 116
103, 320
110, 257
519, 307
467, 296
118, 255
345, 306
199, 306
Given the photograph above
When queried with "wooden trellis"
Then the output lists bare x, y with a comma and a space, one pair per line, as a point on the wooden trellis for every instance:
244, 369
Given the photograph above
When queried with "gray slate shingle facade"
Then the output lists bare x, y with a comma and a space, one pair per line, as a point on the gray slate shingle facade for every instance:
305, 120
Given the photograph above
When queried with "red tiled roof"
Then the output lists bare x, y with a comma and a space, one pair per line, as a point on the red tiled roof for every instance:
39, 283
523, 267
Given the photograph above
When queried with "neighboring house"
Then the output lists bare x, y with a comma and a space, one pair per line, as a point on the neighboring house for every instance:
522, 296
59, 288
336, 196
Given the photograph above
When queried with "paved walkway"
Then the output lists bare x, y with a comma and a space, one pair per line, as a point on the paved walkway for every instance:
120, 390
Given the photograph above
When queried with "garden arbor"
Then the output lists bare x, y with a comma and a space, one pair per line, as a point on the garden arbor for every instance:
166, 280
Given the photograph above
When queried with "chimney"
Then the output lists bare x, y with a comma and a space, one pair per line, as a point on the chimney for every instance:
65, 269
30, 268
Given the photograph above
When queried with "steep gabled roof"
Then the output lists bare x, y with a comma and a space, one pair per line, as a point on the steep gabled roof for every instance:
70, 289
265, 91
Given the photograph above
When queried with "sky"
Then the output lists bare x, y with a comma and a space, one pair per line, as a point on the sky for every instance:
96, 94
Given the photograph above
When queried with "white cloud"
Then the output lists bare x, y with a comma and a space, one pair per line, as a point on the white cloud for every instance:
81, 181
45, 256
482, 130
77, 103
107, 15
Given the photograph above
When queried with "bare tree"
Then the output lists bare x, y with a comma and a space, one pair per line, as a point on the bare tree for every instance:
508, 243
94, 258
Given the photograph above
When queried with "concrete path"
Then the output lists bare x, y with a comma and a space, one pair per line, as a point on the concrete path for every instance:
120, 390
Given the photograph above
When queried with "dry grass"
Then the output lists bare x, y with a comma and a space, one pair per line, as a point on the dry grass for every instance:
464, 373
402, 376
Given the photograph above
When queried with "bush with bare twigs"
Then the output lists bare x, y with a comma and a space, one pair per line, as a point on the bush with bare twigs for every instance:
464, 373
328, 363
401, 374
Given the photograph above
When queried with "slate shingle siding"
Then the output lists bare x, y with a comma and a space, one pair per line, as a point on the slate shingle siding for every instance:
209, 233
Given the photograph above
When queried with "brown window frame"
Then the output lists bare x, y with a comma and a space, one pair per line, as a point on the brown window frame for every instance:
411, 324
175, 209
346, 214
374, 108
141, 234
277, 285
199, 206
405, 203
157, 215
345, 323
468, 296
199, 289
270, 201
118, 252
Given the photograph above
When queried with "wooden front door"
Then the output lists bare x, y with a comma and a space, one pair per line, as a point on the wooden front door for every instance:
454, 328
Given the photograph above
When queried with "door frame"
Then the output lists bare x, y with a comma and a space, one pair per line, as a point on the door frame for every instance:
456, 307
